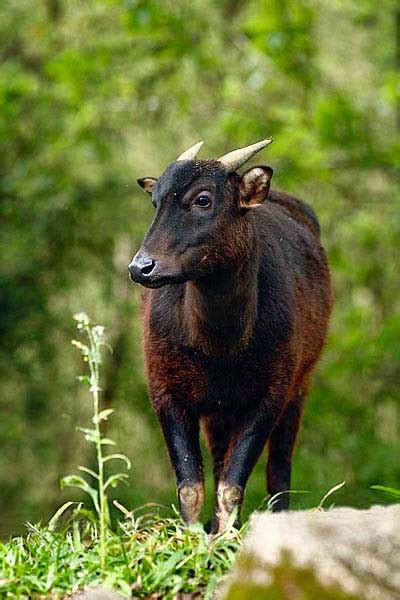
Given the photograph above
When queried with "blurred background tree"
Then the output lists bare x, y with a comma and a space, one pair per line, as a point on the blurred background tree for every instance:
95, 94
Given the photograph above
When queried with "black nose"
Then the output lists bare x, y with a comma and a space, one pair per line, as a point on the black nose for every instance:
141, 266
148, 268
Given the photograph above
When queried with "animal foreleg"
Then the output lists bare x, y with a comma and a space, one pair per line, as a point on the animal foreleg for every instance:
181, 433
249, 442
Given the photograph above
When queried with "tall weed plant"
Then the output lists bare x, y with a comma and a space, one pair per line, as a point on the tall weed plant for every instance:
96, 483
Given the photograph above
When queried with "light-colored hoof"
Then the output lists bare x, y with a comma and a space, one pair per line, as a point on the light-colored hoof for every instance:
191, 497
230, 498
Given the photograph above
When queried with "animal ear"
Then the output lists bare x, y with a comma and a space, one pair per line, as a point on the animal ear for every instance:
254, 186
147, 183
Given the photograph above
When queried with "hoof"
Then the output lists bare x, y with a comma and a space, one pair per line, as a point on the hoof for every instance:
230, 497
191, 497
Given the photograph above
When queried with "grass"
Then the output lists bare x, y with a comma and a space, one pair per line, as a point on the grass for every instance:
148, 554
144, 555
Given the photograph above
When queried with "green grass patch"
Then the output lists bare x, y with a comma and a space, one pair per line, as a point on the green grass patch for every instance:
145, 554
149, 554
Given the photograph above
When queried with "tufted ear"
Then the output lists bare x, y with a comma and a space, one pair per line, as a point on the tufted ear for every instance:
147, 183
254, 186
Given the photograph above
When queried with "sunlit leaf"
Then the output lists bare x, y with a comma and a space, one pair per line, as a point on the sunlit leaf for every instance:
388, 490
103, 415
54, 519
107, 442
79, 482
89, 471
118, 457
113, 480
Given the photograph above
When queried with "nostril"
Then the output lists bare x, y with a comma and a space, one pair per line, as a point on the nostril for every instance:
147, 269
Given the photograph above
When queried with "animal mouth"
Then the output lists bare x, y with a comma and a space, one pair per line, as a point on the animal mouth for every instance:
159, 280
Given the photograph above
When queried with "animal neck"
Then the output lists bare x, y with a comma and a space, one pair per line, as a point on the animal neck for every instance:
219, 311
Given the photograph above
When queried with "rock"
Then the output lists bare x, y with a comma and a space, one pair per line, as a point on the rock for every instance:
98, 592
341, 553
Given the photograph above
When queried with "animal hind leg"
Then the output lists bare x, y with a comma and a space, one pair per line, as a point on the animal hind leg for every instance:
248, 440
281, 445
217, 429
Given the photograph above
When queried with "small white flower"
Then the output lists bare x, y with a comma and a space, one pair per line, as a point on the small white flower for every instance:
82, 319
98, 331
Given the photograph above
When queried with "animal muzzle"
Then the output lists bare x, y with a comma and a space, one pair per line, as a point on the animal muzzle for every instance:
151, 272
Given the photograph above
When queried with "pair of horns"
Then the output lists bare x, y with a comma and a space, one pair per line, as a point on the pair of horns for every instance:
233, 160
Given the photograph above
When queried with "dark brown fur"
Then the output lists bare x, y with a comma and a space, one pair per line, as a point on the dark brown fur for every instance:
232, 336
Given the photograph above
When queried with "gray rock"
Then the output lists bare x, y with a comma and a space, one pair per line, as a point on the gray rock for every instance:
356, 552
98, 592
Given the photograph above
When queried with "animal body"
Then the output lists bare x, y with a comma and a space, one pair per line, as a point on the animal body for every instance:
235, 315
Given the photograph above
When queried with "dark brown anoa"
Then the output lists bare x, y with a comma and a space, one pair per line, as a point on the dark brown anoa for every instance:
234, 318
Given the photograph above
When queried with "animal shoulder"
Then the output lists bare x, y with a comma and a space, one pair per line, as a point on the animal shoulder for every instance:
297, 209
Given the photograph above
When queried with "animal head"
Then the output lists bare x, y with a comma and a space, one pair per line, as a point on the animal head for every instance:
201, 225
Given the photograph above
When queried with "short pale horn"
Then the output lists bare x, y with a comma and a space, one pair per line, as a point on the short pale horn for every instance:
235, 159
190, 154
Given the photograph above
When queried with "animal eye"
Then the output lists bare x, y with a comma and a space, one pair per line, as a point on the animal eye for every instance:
202, 200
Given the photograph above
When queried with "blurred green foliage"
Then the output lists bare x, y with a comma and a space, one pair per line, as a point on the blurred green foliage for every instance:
95, 94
